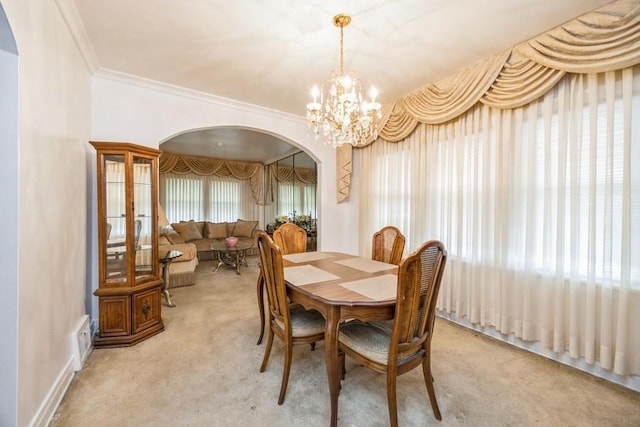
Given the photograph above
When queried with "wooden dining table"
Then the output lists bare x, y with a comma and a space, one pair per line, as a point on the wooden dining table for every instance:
341, 287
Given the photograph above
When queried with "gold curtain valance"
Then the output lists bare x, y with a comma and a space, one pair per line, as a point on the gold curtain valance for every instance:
602, 40
290, 174
180, 164
605, 39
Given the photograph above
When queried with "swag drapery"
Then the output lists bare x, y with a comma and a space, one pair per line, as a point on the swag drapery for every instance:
533, 187
181, 164
602, 40
252, 171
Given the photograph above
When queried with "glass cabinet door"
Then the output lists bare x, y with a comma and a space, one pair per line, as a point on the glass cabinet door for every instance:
121, 240
142, 211
116, 219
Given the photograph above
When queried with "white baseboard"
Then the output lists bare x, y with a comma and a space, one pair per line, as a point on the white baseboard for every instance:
48, 407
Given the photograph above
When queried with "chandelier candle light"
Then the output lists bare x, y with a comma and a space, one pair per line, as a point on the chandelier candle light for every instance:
342, 116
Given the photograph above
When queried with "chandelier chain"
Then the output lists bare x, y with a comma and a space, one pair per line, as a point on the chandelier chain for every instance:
341, 49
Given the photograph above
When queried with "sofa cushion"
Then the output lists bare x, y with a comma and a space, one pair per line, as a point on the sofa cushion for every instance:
244, 228
163, 240
204, 245
189, 251
201, 225
189, 230
175, 238
216, 230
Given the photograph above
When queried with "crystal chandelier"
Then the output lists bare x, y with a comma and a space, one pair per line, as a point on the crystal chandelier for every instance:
342, 116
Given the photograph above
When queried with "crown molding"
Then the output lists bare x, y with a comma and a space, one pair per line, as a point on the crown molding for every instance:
71, 16
130, 79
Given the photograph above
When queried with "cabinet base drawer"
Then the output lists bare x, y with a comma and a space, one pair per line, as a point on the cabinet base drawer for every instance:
128, 319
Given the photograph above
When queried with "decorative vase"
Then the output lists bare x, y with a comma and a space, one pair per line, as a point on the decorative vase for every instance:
231, 241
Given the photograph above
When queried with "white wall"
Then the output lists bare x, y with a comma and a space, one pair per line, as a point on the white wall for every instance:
54, 91
126, 108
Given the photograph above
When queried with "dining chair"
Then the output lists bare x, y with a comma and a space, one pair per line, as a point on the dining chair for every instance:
291, 239
401, 345
115, 263
388, 245
290, 322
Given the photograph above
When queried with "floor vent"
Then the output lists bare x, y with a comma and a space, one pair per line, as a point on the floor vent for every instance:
81, 341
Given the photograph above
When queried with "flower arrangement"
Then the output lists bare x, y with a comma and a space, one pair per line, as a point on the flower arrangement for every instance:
281, 219
303, 219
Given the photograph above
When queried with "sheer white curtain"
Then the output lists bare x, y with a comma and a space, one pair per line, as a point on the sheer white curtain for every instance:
539, 208
207, 198
298, 197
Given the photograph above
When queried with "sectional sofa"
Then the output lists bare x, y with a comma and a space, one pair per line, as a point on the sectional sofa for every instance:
203, 233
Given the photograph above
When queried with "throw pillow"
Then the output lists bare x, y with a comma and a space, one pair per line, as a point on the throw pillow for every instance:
244, 228
163, 240
188, 230
201, 227
175, 239
216, 230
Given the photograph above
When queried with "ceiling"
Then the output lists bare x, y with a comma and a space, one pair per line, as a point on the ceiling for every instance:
231, 144
270, 53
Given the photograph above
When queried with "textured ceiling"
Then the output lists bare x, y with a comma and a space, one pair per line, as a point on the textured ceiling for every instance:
270, 53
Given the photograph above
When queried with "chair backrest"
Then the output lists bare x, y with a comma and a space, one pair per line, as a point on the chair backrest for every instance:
273, 272
419, 278
388, 245
291, 238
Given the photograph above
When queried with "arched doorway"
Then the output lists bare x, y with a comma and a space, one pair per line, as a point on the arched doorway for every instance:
255, 145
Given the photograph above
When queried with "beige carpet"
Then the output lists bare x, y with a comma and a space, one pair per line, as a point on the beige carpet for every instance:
203, 370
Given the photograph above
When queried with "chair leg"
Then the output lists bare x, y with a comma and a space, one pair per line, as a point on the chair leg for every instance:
260, 291
342, 368
267, 350
391, 398
428, 380
288, 354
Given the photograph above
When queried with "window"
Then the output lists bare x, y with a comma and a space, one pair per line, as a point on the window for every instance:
206, 198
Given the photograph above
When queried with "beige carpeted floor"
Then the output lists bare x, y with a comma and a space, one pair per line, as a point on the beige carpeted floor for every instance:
203, 370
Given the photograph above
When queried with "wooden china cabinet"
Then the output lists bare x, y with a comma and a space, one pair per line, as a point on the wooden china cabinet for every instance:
129, 291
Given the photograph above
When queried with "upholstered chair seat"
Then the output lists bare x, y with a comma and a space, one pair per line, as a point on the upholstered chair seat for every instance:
303, 322
370, 341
